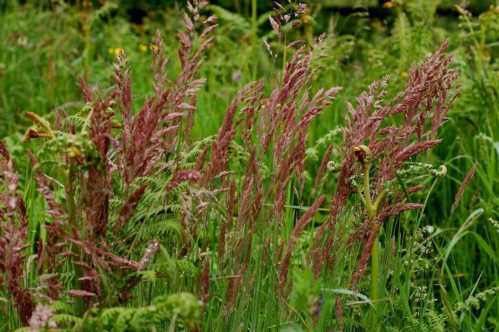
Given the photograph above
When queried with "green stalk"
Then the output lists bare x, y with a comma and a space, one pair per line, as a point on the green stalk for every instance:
254, 34
70, 191
285, 54
372, 211
375, 255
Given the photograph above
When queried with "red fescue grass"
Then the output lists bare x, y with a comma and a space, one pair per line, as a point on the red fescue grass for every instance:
127, 146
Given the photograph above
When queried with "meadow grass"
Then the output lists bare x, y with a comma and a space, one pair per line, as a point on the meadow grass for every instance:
182, 196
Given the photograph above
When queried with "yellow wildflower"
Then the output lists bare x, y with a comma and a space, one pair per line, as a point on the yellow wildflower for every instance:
115, 51
389, 4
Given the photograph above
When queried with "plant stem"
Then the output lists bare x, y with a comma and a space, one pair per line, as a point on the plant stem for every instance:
254, 34
372, 211
375, 270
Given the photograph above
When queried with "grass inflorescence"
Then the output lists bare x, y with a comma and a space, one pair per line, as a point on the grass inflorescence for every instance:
232, 172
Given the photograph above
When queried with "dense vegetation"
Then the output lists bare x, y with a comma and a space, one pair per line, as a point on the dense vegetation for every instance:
298, 169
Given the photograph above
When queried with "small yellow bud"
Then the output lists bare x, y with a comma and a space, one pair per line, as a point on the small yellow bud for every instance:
389, 5
117, 51
74, 152
306, 19
154, 48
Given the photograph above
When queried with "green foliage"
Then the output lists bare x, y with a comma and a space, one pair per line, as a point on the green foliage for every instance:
436, 269
176, 311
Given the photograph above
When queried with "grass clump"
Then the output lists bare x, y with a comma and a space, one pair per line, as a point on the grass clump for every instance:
297, 209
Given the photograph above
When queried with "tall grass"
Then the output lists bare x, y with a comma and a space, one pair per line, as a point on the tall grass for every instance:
188, 196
